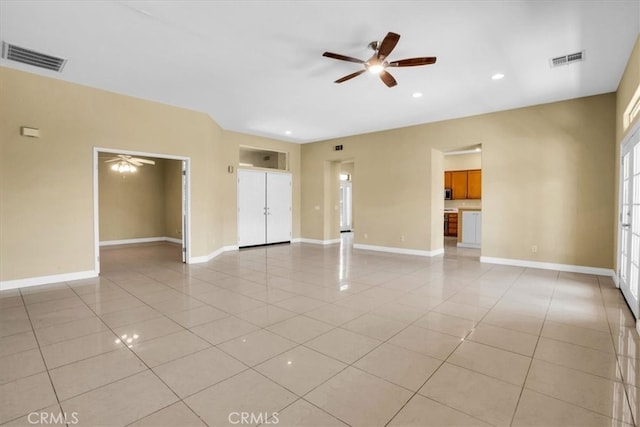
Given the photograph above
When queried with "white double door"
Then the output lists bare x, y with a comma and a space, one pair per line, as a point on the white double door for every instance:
264, 207
629, 225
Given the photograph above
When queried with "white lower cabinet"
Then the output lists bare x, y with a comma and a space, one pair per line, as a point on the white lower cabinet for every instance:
264, 207
471, 229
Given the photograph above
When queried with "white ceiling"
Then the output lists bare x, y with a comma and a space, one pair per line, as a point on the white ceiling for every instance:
256, 66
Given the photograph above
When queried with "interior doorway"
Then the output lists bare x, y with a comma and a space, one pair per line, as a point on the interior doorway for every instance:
345, 206
346, 197
462, 195
142, 198
629, 224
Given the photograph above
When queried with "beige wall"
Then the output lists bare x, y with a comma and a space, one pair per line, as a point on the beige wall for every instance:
626, 89
547, 180
332, 198
629, 83
461, 162
437, 166
132, 205
548, 172
347, 167
46, 184
390, 191
172, 198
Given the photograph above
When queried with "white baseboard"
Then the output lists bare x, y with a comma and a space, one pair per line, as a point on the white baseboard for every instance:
318, 242
296, 240
45, 280
212, 255
549, 266
468, 245
140, 240
399, 250
616, 280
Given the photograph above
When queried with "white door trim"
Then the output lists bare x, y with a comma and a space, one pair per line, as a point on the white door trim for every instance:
631, 136
186, 239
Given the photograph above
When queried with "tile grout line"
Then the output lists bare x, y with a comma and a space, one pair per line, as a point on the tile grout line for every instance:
148, 369
44, 362
445, 361
515, 409
162, 314
618, 364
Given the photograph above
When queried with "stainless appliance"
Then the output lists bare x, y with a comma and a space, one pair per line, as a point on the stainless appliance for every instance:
448, 194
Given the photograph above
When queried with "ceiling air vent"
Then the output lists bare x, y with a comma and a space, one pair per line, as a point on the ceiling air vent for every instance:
31, 57
567, 59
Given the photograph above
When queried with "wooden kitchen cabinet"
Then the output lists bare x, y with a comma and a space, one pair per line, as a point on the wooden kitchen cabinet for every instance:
474, 184
459, 184
447, 180
451, 224
464, 184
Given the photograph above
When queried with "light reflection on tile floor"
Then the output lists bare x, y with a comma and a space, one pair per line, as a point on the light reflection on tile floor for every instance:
325, 336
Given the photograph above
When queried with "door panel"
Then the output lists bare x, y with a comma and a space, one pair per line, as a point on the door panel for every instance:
279, 219
474, 184
459, 184
629, 241
251, 208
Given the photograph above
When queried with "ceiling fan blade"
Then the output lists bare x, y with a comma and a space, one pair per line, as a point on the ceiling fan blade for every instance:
117, 159
134, 162
350, 76
342, 57
145, 161
388, 79
390, 41
412, 62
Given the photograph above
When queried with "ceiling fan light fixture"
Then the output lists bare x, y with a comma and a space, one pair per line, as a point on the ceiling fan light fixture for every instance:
123, 167
378, 62
375, 68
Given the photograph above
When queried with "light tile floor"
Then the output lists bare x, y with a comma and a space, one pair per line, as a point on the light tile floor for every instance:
306, 335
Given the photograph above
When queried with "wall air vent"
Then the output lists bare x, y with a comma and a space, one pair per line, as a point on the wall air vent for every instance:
31, 57
567, 59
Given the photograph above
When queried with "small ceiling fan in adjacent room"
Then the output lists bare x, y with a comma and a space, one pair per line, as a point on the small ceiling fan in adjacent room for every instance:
124, 163
378, 63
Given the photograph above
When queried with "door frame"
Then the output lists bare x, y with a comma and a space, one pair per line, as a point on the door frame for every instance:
186, 204
632, 134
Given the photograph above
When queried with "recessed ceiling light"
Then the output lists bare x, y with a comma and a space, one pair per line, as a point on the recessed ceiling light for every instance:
417, 94
287, 132
497, 76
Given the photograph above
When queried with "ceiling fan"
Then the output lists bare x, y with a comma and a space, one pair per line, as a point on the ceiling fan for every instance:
377, 63
127, 163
